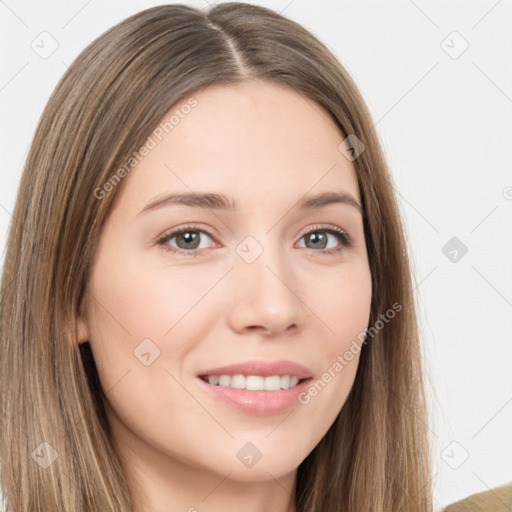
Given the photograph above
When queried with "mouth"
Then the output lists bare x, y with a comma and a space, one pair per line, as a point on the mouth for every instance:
262, 399
254, 382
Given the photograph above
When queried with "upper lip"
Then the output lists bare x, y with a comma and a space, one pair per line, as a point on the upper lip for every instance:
263, 368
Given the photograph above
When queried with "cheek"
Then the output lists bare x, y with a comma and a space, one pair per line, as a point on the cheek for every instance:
142, 313
138, 340
344, 308
142, 300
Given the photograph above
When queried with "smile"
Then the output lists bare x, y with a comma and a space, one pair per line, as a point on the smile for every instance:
253, 382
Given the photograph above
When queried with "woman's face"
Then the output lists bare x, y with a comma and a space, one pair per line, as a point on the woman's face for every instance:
267, 280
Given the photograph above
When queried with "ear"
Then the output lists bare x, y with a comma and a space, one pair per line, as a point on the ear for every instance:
82, 327
82, 331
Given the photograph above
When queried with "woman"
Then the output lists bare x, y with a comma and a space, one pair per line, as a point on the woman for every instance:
280, 365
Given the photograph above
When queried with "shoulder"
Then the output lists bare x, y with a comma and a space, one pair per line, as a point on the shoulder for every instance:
498, 499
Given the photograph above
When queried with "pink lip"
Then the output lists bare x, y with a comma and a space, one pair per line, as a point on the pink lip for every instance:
263, 368
262, 403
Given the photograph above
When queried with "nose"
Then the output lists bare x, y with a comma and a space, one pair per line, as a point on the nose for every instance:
265, 295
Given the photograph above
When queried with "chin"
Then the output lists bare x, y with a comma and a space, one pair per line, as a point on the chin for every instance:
262, 472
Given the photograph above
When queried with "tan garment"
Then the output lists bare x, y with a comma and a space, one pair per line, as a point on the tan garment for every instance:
498, 499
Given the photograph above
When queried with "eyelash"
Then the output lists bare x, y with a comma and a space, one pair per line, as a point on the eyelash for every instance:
343, 237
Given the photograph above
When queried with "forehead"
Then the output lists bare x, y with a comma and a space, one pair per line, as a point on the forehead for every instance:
249, 139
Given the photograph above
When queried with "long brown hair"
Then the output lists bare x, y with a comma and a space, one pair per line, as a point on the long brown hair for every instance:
375, 456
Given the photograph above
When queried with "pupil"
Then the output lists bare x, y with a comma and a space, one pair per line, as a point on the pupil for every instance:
315, 236
187, 237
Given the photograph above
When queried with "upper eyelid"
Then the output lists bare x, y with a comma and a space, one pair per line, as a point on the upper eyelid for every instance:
178, 230
316, 227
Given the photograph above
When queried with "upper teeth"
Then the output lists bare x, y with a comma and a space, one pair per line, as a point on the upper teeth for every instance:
254, 382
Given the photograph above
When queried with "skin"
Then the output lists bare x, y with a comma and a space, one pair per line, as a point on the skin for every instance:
266, 146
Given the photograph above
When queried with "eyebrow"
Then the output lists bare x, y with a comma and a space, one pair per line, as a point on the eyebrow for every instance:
214, 201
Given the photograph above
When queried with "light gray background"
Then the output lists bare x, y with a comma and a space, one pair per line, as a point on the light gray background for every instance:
445, 122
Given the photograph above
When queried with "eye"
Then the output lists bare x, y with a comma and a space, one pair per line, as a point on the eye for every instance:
319, 235
188, 240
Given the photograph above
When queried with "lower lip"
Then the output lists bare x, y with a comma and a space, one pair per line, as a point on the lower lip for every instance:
262, 403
